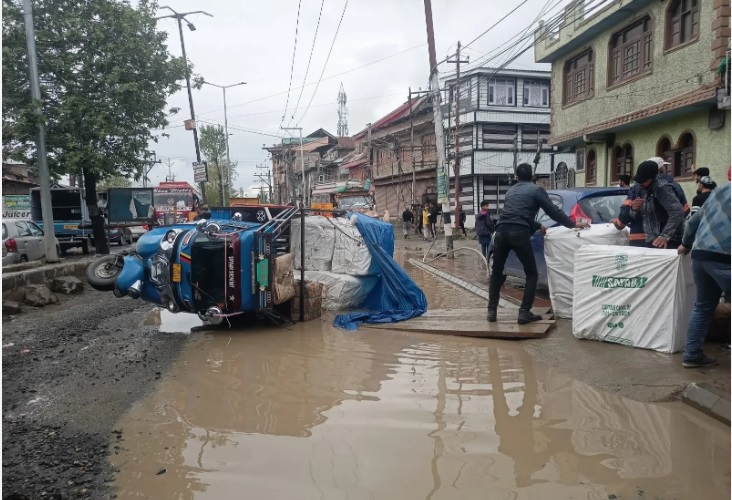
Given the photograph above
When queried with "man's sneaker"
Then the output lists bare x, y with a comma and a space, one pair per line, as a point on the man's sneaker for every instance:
700, 361
526, 317
492, 315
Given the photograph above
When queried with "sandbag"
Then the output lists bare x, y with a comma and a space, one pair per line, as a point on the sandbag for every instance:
560, 245
341, 291
319, 243
350, 255
641, 297
284, 282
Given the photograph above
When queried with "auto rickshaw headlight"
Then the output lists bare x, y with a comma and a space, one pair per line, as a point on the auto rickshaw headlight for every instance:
135, 290
170, 236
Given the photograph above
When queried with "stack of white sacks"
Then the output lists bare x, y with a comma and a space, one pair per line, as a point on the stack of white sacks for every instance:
336, 256
641, 297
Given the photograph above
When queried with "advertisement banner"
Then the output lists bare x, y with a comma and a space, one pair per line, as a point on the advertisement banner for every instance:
130, 205
16, 206
200, 173
442, 185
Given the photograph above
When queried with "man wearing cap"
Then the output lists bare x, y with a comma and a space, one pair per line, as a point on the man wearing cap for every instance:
664, 175
698, 174
658, 205
707, 236
637, 236
706, 186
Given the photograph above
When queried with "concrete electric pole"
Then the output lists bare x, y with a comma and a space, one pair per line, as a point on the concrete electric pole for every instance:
456, 168
303, 195
443, 193
49, 236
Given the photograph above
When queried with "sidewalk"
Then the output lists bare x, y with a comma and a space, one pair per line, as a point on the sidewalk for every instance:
638, 374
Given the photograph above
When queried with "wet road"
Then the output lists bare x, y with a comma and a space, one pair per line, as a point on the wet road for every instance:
316, 412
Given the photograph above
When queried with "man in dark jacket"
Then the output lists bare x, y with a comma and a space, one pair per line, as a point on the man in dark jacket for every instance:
664, 175
407, 219
515, 227
484, 228
637, 233
660, 208
434, 211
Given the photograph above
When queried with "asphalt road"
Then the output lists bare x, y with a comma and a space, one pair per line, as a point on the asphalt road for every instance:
69, 371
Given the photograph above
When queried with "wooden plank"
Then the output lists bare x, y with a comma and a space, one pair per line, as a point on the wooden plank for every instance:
480, 312
468, 328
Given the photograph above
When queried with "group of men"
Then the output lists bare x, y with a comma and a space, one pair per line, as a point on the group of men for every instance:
425, 221
655, 211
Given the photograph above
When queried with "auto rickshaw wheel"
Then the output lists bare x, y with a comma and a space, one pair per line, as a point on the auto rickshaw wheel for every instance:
103, 272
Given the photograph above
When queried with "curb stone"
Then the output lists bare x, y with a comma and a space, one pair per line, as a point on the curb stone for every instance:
709, 400
480, 292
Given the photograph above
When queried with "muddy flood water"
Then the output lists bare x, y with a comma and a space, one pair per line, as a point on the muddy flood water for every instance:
313, 412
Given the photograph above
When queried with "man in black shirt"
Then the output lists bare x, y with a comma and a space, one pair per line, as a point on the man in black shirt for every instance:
515, 227
407, 219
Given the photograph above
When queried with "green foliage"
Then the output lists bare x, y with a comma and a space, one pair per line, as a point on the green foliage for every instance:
105, 77
212, 140
115, 181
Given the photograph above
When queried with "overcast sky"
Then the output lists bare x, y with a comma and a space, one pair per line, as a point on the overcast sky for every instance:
253, 42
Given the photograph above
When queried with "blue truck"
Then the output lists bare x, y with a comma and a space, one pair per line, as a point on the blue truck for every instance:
70, 217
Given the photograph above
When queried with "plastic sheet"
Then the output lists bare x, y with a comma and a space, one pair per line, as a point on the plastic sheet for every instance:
641, 297
341, 291
351, 255
395, 297
319, 243
560, 245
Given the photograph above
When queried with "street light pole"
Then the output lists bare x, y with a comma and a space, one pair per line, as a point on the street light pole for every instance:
226, 130
49, 236
181, 17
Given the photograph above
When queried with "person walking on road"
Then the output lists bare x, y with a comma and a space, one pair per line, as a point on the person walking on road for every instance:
484, 228
463, 218
659, 207
418, 219
426, 221
434, 212
707, 236
515, 227
407, 219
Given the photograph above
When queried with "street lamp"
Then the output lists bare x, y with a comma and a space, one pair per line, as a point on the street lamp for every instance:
181, 16
226, 127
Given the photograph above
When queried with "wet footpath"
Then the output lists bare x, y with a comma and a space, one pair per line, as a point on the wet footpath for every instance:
313, 412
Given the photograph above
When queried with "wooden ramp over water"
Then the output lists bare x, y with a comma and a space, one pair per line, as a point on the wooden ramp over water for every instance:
473, 323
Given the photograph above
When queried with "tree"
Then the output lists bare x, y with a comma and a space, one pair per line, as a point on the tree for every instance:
213, 147
115, 181
105, 77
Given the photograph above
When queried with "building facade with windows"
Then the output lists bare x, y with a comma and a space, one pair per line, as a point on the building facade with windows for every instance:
504, 120
634, 79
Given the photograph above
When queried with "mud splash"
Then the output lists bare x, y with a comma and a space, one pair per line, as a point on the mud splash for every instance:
316, 412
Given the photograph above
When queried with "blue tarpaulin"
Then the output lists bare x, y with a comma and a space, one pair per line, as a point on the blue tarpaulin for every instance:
395, 297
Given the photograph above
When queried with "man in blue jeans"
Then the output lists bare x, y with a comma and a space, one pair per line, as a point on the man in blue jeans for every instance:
513, 233
707, 236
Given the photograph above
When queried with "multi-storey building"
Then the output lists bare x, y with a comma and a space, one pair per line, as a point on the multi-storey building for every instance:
634, 79
504, 119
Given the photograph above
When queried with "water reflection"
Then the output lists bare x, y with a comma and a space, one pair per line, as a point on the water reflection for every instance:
320, 413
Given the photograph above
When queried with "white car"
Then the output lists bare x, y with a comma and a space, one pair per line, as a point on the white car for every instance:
23, 241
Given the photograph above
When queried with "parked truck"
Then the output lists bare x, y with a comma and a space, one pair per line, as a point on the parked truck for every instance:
71, 221
345, 195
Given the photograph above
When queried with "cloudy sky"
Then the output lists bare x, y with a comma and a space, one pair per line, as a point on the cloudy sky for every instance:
379, 52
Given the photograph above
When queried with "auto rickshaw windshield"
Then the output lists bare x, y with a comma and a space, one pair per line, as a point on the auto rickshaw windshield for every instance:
208, 271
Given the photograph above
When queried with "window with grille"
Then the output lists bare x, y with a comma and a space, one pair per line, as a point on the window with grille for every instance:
591, 167
501, 92
622, 161
682, 23
536, 94
631, 52
684, 157
665, 151
579, 78
499, 136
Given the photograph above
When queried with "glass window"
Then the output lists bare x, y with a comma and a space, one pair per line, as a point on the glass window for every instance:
602, 208
684, 157
591, 168
631, 52
541, 216
580, 159
5, 232
23, 229
579, 78
622, 161
682, 23
501, 92
536, 94
35, 230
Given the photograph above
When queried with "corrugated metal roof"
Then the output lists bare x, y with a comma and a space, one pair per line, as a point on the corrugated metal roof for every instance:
399, 113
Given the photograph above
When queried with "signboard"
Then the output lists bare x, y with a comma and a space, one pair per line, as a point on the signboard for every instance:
16, 206
200, 173
442, 185
130, 205
322, 206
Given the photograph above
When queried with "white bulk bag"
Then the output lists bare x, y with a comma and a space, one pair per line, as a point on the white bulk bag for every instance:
341, 291
351, 255
319, 243
560, 245
640, 297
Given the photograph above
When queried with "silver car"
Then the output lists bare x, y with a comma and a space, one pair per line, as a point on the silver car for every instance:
23, 241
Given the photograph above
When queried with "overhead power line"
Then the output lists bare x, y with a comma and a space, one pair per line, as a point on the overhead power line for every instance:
292, 65
310, 58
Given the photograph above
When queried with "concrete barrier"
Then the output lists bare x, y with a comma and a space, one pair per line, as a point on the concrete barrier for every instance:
14, 283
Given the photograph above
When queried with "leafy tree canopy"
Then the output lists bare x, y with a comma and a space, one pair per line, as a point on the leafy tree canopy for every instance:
213, 147
105, 75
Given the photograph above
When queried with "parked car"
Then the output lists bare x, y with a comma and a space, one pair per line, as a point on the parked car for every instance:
23, 241
119, 235
138, 231
597, 204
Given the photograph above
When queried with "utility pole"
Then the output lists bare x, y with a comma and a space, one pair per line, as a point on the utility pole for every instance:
226, 131
49, 236
267, 182
150, 164
515, 152
411, 133
443, 193
370, 156
537, 158
456, 168
302, 166
170, 177
182, 17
